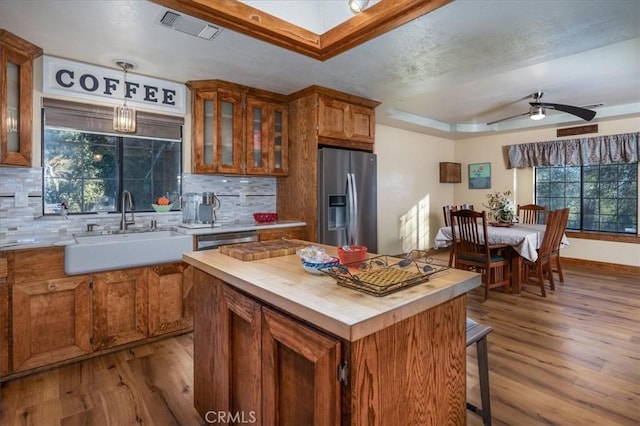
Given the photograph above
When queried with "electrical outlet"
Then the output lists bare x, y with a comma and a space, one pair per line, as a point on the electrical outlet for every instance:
21, 199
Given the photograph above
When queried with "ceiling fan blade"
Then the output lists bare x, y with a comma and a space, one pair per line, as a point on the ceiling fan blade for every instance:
507, 118
585, 114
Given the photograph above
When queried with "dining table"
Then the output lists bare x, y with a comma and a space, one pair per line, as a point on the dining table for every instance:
525, 239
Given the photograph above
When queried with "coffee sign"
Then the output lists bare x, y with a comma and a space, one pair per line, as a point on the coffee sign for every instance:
78, 80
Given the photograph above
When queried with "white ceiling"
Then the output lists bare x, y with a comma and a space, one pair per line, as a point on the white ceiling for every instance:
446, 73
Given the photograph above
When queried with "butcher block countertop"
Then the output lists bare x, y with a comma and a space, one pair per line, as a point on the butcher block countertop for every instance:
318, 300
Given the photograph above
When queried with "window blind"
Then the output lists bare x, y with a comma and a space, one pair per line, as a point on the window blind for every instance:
99, 119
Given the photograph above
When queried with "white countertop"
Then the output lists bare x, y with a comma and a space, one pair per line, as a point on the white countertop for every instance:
31, 241
237, 227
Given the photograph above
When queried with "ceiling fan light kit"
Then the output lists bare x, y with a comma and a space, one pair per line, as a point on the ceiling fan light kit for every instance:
537, 110
536, 113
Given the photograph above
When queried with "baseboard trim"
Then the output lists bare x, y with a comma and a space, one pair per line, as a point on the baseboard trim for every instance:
602, 266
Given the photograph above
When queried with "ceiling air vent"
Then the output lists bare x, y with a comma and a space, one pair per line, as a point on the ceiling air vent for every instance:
189, 25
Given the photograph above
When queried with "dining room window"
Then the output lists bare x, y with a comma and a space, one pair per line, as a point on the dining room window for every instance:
87, 165
602, 198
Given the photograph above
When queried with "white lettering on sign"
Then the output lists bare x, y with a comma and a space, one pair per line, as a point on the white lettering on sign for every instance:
75, 79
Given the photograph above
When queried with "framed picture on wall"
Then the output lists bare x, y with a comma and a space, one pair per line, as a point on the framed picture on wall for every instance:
480, 176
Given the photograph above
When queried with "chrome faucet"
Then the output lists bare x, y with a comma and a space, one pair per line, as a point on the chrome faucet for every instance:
126, 199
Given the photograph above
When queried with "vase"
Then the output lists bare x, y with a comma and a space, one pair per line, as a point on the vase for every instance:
503, 216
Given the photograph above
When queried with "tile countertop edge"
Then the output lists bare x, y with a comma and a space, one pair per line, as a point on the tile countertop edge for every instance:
311, 298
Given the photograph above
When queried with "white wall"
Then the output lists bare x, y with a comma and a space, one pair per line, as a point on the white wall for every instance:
408, 181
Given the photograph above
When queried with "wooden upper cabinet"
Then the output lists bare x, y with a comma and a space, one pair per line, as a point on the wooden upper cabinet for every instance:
16, 98
266, 134
238, 129
338, 119
217, 131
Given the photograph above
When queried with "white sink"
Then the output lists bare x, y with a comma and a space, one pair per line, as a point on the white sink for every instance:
95, 253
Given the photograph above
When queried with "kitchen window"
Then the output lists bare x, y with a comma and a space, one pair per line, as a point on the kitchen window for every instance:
601, 198
86, 165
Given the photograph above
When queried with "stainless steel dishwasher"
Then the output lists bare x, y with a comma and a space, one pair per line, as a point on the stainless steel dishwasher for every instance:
212, 241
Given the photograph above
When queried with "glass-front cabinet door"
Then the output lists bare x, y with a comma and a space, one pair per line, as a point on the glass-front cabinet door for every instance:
257, 134
16, 99
278, 158
217, 132
229, 149
238, 129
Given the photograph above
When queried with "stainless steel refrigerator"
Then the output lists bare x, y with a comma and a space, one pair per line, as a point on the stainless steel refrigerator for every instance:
347, 198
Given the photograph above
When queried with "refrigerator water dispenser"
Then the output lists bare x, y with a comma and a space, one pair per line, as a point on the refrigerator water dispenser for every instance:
337, 212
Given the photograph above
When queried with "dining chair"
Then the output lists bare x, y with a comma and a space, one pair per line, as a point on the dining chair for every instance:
542, 265
532, 213
446, 210
473, 251
466, 207
555, 252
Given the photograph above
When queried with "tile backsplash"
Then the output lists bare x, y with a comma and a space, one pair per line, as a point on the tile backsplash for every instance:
21, 203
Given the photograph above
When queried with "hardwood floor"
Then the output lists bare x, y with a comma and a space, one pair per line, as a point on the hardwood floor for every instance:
572, 358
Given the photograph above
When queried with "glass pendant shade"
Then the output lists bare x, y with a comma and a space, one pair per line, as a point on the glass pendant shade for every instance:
124, 119
536, 113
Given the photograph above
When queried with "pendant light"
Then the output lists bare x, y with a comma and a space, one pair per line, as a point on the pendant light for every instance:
124, 117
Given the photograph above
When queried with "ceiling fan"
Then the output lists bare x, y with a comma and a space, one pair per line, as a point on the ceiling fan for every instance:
537, 110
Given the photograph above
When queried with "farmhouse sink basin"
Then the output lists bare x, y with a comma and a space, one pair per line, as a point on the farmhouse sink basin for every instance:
95, 253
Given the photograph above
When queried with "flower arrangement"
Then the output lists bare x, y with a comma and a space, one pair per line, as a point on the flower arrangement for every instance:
501, 205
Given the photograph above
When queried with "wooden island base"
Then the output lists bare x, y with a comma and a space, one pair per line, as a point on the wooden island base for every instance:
261, 364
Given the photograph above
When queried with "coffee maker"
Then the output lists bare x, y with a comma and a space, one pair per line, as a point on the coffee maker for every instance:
207, 210
199, 209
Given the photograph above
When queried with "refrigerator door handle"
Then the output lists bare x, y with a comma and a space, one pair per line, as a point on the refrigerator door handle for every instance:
354, 222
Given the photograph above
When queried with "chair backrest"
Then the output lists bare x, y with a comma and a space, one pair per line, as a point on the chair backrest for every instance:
562, 226
550, 235
532, 213
446, 210
466, 207
468, 230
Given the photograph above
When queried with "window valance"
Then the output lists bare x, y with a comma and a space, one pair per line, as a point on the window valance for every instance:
610, 149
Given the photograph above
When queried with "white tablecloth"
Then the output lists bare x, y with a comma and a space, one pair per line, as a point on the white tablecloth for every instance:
525, 239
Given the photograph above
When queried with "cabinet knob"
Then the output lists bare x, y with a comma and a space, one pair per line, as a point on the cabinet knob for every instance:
52, 286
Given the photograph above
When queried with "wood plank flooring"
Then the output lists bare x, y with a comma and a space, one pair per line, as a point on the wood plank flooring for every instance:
572, 358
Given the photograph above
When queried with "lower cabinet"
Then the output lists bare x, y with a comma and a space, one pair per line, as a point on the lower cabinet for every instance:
170, 298
60, 317
260, 365
119, 307
51, 321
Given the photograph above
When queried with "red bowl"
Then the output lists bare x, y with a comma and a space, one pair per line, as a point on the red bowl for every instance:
352, 254
265, 217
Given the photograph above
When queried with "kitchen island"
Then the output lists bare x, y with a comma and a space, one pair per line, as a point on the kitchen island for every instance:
279, 345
